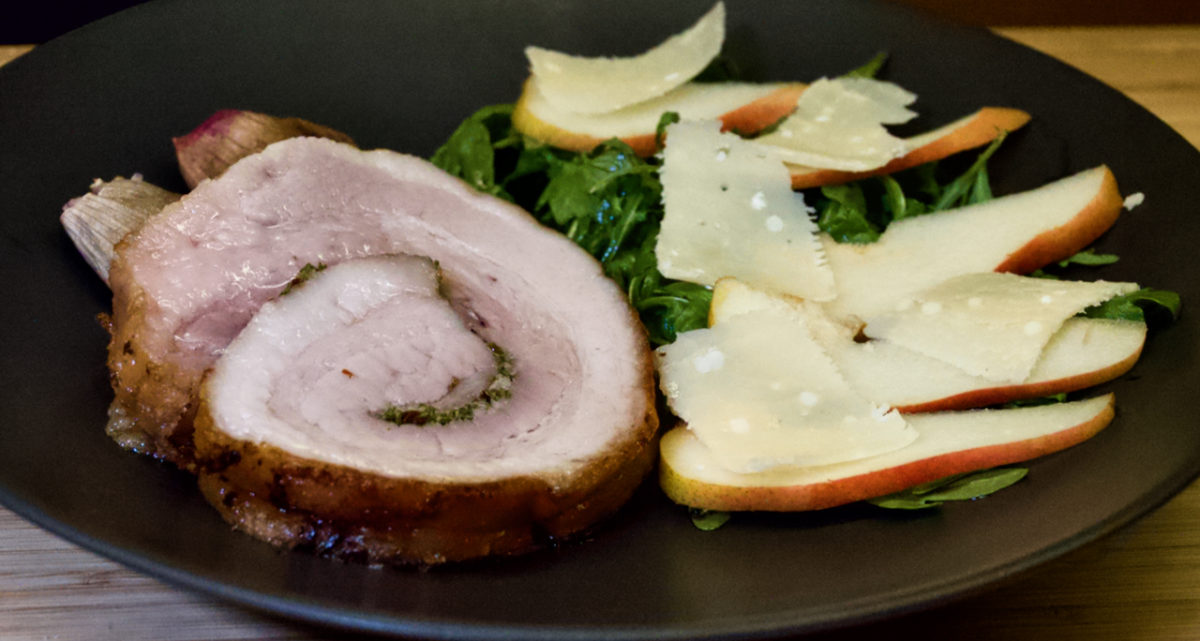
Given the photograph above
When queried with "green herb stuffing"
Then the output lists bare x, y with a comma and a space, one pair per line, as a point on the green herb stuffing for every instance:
499, 389
303, 276
961, 487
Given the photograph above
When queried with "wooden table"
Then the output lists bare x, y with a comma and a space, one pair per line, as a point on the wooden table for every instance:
1142, 582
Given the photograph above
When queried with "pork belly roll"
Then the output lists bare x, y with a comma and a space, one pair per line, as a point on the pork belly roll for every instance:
359, 415
192, 277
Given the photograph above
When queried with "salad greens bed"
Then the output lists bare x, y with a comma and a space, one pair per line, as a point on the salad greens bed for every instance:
608, 201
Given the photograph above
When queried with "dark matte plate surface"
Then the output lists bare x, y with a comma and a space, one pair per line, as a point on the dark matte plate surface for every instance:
105, 100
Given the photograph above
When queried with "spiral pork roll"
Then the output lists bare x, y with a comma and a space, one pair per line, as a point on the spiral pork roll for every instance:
507, 404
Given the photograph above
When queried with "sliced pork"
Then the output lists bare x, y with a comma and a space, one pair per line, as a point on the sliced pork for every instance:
187, 282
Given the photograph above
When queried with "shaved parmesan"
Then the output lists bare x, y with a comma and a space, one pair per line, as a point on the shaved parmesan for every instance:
990, 324
838, 124
730, 211
732, 298
777, 399
597, 85
889, 374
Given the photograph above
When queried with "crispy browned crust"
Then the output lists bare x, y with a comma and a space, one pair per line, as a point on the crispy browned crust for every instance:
153, 400
334, 510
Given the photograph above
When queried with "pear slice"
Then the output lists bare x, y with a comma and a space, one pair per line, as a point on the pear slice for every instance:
598, 85
740, 106
1015, 233
947, 443
974, 130
1082, 353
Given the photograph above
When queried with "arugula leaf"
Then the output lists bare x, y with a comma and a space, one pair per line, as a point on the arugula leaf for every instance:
981, 188
1041, 400
972, 186
721, 69
960, 487
592, 187
708, 520
895, 204
844, 214
667, 307
870, 69
469, 153
1157, 307
660, 130
1089, 257
609, 202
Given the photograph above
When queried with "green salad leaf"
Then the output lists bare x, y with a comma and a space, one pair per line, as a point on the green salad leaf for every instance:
843, 214
469, 153
1090, 258
972, 186
1156, 307
660, 130
609, 202
708, 520
849, 214
960, 487
1040, 400
871, 68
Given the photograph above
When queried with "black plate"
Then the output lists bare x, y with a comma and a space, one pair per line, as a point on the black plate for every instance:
106, 99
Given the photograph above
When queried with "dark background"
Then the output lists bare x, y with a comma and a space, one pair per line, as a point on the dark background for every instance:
36, 21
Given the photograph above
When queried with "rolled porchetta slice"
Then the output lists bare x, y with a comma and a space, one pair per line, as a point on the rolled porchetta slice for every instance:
187, 282
191, 277
359, 415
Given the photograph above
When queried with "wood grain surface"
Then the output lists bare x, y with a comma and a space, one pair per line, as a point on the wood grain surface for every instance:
1141, 583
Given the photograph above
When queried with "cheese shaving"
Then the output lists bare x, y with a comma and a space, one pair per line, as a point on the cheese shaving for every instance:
989, 324
838, 124
730, 211
777, 399
597, 85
